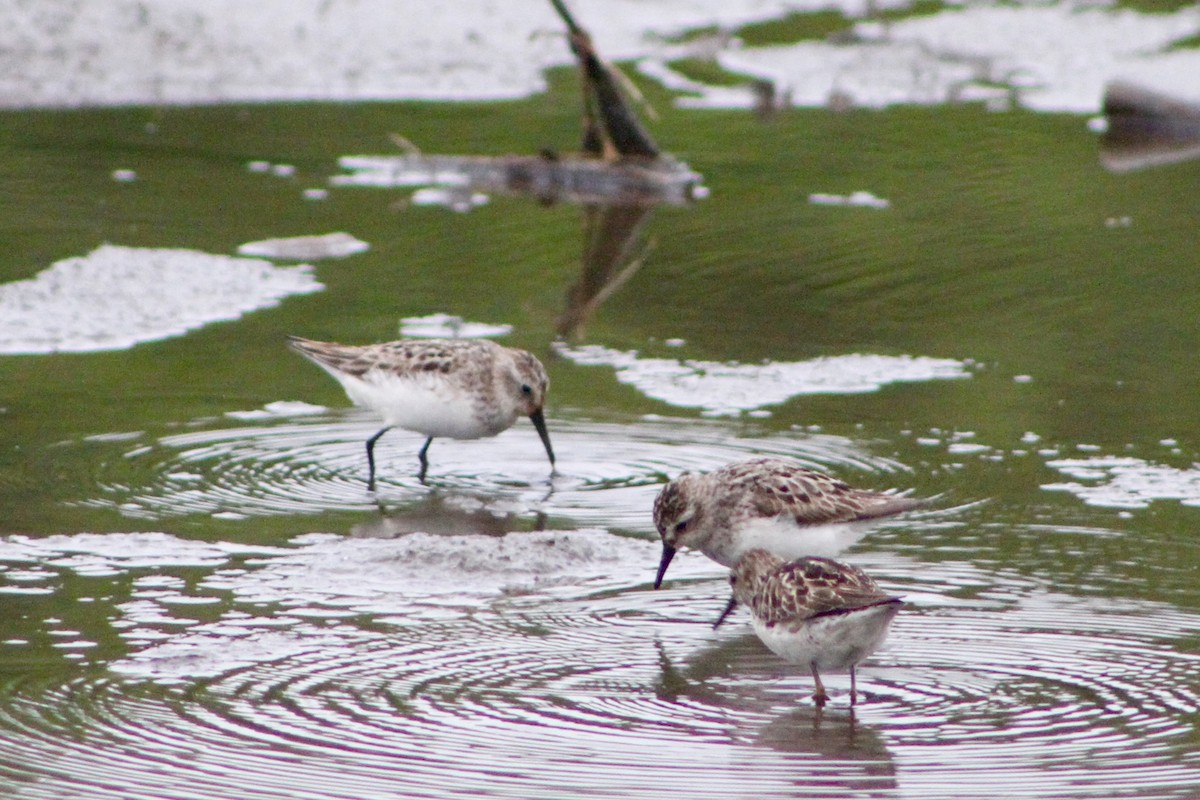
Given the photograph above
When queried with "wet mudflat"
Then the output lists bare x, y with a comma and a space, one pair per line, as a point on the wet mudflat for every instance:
202, 600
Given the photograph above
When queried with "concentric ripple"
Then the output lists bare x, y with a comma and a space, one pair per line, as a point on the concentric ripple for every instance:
316, 463
543, 664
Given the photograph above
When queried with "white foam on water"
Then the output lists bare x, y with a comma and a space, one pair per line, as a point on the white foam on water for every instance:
860, 199
1048, 56
116, 297
109, 553
59, 52
279, 409
722, 389
385, 575
306, 248
448, 326
456, 199
326, 577
1045, 57
1125, 481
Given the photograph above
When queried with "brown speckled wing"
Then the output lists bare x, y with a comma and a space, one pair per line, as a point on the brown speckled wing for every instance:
810, 587
810, 497
403, 358
406, 358
338, 357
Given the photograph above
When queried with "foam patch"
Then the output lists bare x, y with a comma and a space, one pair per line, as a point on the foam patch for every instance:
116, 297
721, 389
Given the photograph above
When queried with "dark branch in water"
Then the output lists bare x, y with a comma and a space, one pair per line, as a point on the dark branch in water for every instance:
612, 253
567, 17
631, 170
610, 126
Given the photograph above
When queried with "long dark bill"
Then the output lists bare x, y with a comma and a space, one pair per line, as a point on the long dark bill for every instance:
539, 422
668, 554
728, 610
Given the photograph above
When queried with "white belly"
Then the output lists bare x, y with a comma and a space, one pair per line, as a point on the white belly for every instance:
425, 405
788, 540
835, 642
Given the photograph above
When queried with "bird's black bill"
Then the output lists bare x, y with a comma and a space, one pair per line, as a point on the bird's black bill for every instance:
728, 610
539, 422
668, 554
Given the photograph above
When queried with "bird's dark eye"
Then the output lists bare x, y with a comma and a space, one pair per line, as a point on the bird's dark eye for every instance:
680, 527
526, 388
732, 579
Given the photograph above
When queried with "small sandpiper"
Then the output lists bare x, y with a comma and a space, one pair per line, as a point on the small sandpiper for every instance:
814, 611
773, 503
454, 388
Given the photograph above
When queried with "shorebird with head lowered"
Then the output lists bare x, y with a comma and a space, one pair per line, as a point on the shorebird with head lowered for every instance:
814, 611
452, 388
773, 503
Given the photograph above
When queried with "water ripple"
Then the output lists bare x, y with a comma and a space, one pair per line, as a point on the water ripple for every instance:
607, 474
543, 664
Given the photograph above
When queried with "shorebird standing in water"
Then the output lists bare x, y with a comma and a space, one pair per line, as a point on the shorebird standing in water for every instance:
773, 503
453, 388
814, 611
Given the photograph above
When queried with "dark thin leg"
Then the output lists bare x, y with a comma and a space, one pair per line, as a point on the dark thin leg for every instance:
424, 461
371, 458
819, 696
853, 689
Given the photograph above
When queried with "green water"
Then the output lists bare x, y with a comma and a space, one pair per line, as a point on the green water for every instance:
995, 248
1006, 245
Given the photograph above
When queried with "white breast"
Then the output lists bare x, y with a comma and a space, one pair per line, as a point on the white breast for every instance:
430, 405
783, 537
834, 642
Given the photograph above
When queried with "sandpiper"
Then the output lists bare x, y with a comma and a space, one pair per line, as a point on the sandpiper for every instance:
455, 388
774, 503
813, 611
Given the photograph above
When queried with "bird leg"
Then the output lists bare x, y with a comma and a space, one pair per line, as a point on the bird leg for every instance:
819, 696
853, 690
424, 461
371, 458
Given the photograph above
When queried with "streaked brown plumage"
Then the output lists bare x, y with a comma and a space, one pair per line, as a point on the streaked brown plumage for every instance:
816, 611
456, 388
775, 503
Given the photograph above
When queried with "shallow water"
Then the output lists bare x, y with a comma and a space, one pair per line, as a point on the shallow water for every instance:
204, 602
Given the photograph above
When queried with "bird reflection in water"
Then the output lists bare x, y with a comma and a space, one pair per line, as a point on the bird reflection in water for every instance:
1143, 128
833, 749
